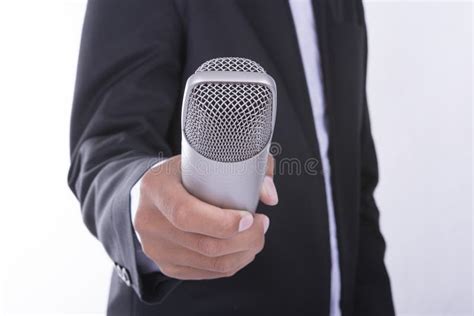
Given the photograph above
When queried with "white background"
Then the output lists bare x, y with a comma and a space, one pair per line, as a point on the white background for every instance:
420, 93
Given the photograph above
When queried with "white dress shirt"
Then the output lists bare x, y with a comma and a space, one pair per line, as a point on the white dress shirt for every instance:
303, 17
305, 25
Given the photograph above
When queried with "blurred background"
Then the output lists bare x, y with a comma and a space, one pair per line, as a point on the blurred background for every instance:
420, 93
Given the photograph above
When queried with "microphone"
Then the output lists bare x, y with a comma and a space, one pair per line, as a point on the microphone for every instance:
227, 121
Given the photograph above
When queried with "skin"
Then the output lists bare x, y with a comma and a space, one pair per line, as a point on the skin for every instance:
191, 240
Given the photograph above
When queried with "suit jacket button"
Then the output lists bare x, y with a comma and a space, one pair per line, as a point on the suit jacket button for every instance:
126, 277
118, 270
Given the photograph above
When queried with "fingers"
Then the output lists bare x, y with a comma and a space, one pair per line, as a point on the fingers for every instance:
253, 238
183, 263
268, 193
187, 273
190, 214
188, 238
226, 265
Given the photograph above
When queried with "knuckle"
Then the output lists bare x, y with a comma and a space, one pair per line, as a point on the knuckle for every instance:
179, 216
227, 227
207, 246
260, 244
147, 184
170, 271
147, 250
248, 261
140, 223
221, 265
165, 269
151, 251
230, 273
251, 259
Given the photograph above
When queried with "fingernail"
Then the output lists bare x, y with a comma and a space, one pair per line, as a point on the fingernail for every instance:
270, 190
266, 224
245, 222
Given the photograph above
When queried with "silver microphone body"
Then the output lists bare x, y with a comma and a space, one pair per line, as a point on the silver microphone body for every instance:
227, 121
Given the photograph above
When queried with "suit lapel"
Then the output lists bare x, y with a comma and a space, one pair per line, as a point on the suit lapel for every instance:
273, 23
320, 10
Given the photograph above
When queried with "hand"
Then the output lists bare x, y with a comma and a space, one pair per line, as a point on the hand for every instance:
191, 240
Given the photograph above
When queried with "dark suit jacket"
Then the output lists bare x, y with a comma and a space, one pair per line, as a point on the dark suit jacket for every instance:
134, 61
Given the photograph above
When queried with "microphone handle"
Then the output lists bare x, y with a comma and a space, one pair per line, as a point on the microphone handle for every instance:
232, 185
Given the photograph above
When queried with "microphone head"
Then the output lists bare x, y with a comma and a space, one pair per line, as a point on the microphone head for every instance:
231, 64
229, 109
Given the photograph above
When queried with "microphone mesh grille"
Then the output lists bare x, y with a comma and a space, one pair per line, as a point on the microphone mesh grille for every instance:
231, 64
229, 122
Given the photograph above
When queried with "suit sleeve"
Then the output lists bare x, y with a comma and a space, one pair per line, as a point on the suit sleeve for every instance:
373, 295
126, 96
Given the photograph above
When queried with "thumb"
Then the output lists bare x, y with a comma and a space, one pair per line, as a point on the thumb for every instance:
268, 192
